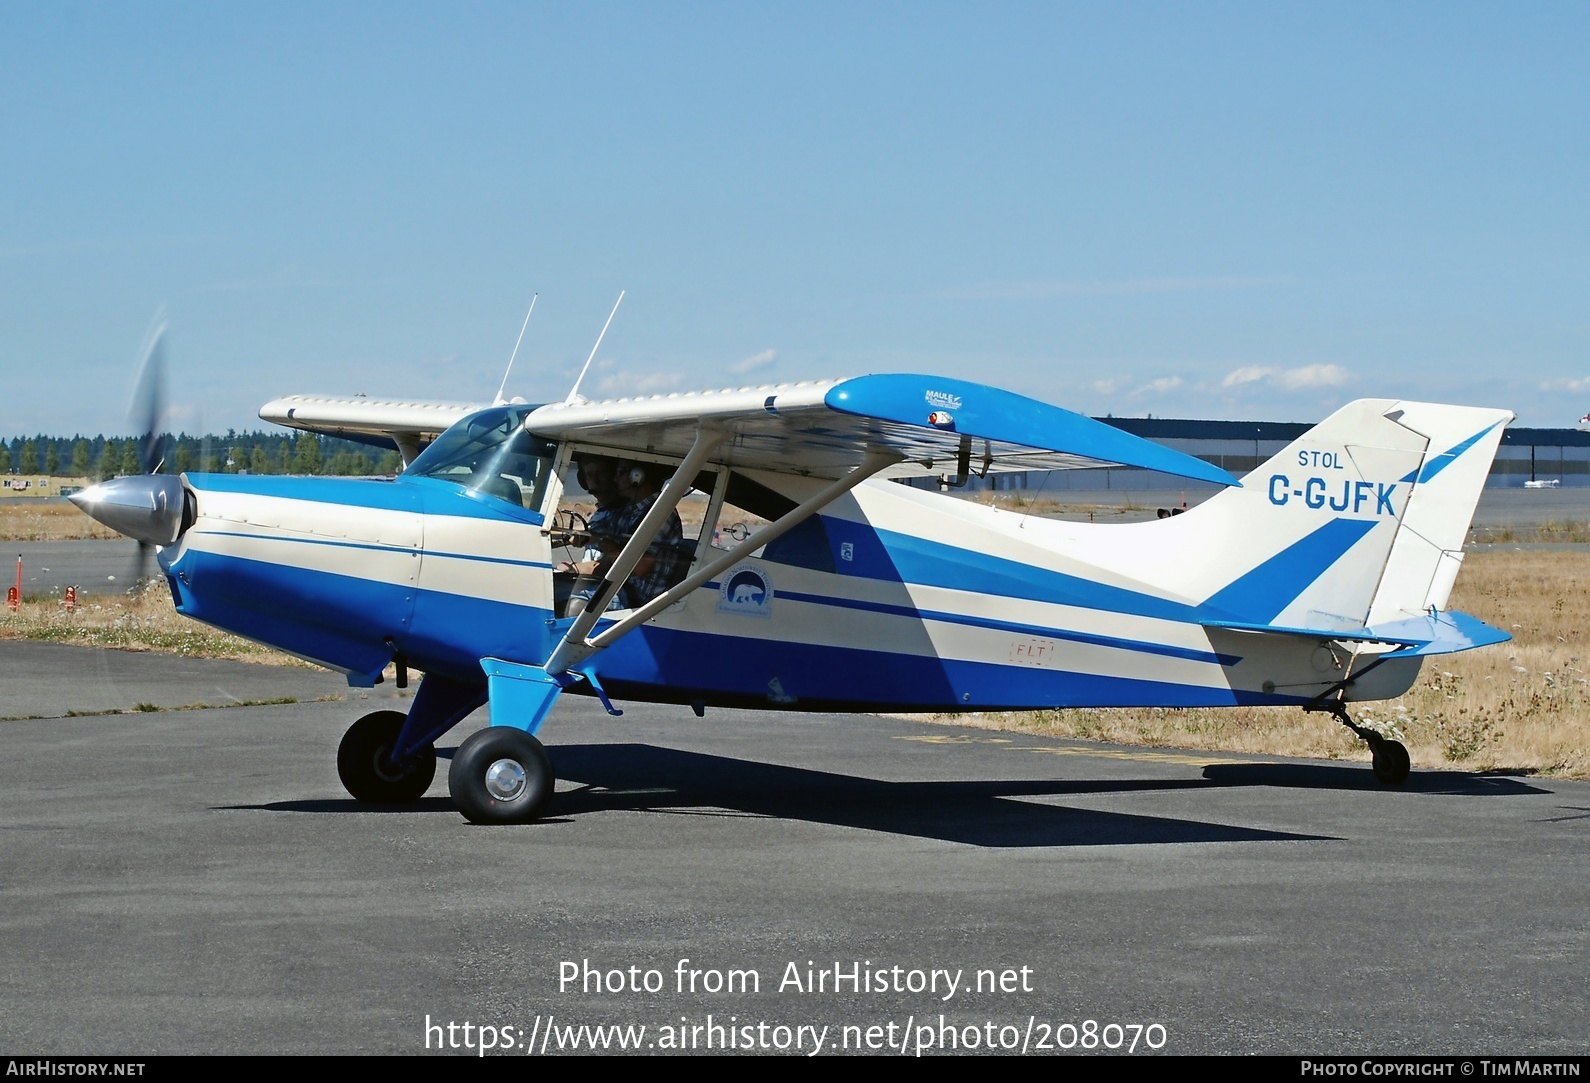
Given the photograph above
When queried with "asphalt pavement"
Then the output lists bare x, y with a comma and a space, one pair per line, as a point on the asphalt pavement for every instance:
196, 881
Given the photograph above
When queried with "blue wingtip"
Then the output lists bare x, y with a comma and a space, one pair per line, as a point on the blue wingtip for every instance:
989, 413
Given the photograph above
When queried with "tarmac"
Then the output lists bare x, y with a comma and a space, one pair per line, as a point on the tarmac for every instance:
196, 881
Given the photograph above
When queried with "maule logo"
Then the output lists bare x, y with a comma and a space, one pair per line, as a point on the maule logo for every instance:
943, 400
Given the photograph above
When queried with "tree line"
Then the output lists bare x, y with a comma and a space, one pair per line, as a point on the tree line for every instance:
102, 457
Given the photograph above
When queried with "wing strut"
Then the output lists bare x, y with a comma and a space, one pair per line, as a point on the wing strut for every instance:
575, 647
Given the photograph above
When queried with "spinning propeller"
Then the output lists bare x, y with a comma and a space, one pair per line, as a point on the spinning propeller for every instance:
151, 508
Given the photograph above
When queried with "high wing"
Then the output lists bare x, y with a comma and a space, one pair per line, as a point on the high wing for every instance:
823, 429
388, 423
846, 432
934, 425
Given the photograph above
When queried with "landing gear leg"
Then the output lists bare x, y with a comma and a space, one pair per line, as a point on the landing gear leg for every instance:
501, 774
389, 758
1390, 758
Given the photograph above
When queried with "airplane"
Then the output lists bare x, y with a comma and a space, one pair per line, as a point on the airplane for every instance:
813, 581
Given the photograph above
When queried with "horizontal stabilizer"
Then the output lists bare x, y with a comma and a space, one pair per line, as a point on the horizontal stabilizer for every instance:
1443, 633
1432, 633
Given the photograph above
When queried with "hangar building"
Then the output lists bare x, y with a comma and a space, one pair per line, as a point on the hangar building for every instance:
1545, 456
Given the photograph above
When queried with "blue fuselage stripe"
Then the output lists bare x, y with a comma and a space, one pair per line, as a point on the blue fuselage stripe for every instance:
428, 496
296, 539
1140, 646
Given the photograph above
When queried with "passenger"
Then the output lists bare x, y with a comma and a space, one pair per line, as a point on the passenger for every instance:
658, 569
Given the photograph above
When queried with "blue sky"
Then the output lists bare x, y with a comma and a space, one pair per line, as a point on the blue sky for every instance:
1205, 210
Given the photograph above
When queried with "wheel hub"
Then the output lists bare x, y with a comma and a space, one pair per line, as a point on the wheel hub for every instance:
505, 779
385, 769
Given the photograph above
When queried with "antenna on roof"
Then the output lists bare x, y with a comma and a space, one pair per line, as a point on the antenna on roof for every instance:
499, 400
574, 392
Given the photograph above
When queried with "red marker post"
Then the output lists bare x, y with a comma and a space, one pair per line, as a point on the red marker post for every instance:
69, 600
14, 595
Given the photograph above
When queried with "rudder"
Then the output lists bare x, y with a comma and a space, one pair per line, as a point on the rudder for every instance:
1446, 488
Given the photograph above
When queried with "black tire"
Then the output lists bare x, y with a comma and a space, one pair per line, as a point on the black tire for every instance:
1391, 763
362, 762
500, 775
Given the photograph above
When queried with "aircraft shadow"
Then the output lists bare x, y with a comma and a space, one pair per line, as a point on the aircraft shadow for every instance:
346, 804
1360, 777
666, 781
645, 778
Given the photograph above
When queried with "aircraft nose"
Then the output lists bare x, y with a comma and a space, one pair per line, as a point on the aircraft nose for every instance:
151, 508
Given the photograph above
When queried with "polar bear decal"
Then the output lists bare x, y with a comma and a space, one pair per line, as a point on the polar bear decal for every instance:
746, 590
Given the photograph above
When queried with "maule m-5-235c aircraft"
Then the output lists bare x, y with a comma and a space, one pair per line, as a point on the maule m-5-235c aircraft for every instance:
1320, 580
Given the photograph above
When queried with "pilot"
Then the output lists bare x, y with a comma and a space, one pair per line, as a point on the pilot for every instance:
598, 475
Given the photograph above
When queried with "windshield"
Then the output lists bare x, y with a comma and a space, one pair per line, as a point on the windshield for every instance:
491, 454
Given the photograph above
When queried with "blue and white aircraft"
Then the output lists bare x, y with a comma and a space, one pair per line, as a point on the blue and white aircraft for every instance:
1320, 580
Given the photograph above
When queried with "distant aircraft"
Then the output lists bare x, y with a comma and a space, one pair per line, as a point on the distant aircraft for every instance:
1321, 580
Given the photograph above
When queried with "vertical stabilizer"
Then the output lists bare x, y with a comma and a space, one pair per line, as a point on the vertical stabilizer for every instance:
1358, 522
1316, 523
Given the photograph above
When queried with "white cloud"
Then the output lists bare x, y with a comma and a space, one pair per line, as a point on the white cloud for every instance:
1160, 386
755, 363
1576, 386
1309, 376
1247, 375
1303, 378
627, 383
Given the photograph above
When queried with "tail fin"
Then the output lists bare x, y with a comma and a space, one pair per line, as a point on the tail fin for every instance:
1358, 522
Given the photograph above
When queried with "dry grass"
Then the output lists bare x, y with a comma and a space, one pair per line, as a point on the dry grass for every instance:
142, 622
1520, 707
1573, 531
48, 520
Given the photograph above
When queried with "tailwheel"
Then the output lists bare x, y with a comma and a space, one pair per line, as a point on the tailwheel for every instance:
1389, 758
1391, 763
501, 775
364, 762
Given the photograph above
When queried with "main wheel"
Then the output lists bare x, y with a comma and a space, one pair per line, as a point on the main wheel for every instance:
500, 775
365, 767
1391, 763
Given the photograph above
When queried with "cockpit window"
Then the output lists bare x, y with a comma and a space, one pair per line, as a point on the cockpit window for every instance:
492, 454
